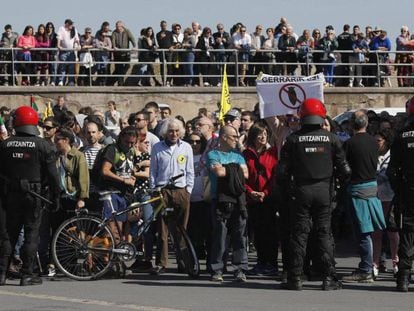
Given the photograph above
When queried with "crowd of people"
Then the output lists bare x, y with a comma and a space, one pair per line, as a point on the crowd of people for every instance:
289, 182
193, 56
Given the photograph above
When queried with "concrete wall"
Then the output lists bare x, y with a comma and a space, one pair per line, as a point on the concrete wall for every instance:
186, 101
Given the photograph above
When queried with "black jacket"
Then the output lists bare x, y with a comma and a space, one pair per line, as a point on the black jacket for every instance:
231, 188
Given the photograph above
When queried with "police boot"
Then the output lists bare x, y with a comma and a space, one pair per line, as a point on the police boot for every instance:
294, 283
30, 280
403, 280
2, 278
331, 283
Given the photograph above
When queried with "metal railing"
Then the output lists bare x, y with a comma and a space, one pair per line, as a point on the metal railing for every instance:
178, 66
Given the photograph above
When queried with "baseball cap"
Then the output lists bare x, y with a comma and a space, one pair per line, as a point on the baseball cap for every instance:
233, 113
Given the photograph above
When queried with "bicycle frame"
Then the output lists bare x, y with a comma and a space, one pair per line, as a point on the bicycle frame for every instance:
133, 206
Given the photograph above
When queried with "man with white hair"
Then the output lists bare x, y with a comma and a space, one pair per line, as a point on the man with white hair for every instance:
403, 71
169, 158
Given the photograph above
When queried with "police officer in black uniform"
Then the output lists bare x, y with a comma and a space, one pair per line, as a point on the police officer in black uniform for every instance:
308, 159
26, 162
401, 174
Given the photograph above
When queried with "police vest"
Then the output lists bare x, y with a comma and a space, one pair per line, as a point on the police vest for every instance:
22, 157
405, 144
312, 155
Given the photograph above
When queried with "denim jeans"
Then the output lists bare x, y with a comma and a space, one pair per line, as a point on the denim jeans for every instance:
66, 56
188, 57
328, 71
365, 252
147, 215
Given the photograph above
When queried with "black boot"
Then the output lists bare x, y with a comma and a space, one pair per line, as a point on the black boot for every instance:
403, 280
292, 284
2, 278
331, 283
30, 280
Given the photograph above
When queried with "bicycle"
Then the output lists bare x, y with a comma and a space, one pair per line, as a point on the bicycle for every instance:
84, 247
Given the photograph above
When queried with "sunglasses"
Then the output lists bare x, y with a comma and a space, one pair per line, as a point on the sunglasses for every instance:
48, 128
139, 120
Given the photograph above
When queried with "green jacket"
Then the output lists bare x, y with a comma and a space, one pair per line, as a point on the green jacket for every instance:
121, 40
75, 174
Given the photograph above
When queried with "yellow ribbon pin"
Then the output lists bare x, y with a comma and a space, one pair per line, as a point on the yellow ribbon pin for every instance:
181, 159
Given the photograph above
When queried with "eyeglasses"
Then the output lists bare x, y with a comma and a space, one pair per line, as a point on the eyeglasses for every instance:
88, 31
139, 120
48, 128
220, 28
242, 30
195, 141
317, 33
259, 28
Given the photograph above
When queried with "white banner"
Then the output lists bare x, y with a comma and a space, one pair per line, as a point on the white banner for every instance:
280, 95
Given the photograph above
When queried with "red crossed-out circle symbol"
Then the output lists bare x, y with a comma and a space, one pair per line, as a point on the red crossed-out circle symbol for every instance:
292, 95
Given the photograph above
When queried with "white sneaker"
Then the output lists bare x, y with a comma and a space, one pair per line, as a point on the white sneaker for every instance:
52, 83
51, 270
395, 269
206, 84
43, 83
6, 83
351, 84
60, 83
375, 271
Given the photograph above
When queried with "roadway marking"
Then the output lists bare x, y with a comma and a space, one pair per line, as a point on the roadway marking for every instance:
85, 301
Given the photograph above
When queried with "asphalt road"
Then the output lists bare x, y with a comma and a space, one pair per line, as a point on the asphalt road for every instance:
172, 291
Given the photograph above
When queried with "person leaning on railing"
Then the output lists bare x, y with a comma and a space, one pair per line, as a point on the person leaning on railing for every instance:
42, 56
26, 42
8, 41
121, 39
104, 45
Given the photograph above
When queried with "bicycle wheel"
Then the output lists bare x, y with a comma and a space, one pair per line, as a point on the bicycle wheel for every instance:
82, 248
188, 255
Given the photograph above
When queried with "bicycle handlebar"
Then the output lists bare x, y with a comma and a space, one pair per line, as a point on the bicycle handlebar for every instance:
174, 178
170, 183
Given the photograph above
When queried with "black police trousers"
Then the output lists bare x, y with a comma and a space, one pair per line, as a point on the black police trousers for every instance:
3, 238
22, 210
406, 246
313, 202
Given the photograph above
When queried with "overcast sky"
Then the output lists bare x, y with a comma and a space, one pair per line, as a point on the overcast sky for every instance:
137, 14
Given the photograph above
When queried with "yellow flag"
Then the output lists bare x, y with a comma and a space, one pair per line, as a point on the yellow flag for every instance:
225, 105
48, 111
